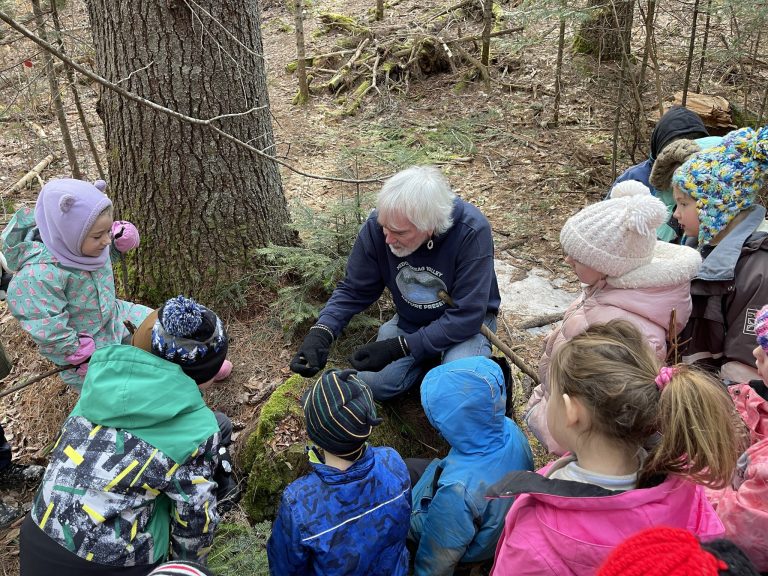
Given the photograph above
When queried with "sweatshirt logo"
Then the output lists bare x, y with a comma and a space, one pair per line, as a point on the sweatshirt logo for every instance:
419, 285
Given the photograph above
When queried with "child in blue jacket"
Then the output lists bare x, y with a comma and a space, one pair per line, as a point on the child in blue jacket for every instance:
349, 516
452, 521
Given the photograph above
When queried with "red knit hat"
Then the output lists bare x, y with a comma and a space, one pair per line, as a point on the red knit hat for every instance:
661, 551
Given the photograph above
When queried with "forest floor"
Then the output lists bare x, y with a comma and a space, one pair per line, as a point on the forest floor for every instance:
497, 146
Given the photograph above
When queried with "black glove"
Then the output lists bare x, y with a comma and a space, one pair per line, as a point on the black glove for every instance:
376, 355
313, 353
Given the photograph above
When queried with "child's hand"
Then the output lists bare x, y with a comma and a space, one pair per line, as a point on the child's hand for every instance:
125, 236
83, 353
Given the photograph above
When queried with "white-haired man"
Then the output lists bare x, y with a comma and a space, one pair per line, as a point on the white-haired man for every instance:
420, 239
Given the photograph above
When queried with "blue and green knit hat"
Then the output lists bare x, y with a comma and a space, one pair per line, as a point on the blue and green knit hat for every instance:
725, 180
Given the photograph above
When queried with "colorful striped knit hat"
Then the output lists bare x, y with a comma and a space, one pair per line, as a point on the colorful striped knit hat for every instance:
340, 413
761, 328
180, 568
662, 551
725, 180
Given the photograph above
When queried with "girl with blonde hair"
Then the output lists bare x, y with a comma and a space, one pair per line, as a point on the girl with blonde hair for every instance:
608, 399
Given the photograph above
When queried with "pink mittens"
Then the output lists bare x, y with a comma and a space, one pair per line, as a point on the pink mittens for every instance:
125, 236
83, 353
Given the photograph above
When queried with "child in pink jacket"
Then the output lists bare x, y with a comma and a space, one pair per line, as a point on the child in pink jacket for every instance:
608, 398
743, 505
626, 273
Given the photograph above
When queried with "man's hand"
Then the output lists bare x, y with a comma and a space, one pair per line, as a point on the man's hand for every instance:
375, 356
313, 353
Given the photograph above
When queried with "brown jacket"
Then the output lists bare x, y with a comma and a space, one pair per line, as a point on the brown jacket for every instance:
732, 285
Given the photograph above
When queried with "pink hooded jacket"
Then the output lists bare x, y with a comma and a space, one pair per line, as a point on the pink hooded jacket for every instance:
567, 528
743, 506
649, 309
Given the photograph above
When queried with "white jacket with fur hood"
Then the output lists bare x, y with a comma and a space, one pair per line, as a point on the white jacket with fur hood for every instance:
645, 296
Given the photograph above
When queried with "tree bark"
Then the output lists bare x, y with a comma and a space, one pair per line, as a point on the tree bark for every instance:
202, 204
301, 54
599, 35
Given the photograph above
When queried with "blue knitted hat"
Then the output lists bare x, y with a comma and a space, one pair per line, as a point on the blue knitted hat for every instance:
725, 180
189, 334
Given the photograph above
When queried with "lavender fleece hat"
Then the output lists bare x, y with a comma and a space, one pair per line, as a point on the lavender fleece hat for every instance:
65, 211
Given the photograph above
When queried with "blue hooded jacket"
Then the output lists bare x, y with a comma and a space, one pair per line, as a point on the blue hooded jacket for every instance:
452, 520
344, 523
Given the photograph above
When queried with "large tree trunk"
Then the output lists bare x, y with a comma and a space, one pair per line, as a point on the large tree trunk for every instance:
600, 35
202, 204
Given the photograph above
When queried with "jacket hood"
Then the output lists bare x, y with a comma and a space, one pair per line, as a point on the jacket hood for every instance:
131, 389
19, 245
720, 263
676, 122
465, 401
671, 265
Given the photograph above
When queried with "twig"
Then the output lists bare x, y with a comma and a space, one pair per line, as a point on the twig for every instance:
168, 111
134, 72
35, 379
496, 341
540, 321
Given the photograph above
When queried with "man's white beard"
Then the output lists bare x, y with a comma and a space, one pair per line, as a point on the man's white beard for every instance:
402, 252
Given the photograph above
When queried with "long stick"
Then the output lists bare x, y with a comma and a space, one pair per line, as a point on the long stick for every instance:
35, 379
496, 341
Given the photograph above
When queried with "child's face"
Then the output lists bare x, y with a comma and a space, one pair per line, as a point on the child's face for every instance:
586, 275
98, 236
686, 213
761, 362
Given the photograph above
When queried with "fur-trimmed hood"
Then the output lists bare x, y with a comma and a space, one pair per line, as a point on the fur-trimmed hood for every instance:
671, 265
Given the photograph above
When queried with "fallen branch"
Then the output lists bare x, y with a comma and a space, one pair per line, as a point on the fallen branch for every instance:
540, 321
35, 379
31, 175
493, 35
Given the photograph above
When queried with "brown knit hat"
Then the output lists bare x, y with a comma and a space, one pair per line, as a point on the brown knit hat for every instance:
669, 160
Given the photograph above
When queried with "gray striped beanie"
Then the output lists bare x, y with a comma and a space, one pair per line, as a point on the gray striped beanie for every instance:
340, 413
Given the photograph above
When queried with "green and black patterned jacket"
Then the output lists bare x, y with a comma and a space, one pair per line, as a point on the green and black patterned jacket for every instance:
131, 475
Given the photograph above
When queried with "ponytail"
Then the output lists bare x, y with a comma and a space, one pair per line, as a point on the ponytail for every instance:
699, 433
613, 370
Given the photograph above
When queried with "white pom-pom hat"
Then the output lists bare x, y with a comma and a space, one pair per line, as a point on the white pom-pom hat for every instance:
617, 237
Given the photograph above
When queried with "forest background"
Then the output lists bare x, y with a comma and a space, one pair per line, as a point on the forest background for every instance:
248, 181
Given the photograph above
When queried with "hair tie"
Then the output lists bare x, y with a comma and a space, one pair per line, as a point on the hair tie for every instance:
664, 377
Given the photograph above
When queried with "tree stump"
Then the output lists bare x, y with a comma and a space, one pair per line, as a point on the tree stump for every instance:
601, 35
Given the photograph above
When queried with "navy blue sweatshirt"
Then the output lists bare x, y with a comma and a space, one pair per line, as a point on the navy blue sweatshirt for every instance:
460, 262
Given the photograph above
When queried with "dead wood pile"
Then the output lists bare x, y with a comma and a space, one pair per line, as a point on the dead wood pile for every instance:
384, 57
